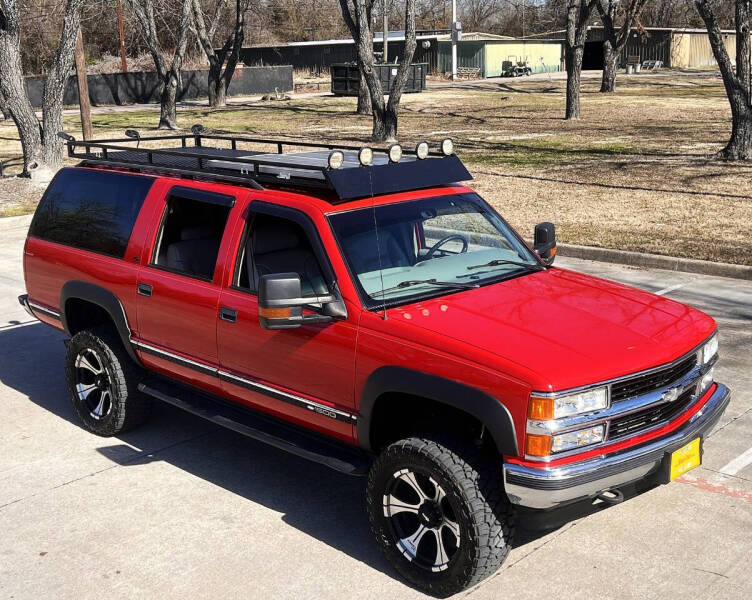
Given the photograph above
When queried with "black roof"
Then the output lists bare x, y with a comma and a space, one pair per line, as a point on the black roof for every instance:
247, 161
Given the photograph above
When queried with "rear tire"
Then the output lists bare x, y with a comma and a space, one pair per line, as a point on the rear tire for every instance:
103, 383
439, 512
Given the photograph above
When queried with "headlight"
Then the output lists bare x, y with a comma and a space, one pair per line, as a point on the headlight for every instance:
545, 409
706, 382
577, 439
709, 350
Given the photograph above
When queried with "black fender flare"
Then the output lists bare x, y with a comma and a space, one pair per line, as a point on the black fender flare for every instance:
82, 290
487, 409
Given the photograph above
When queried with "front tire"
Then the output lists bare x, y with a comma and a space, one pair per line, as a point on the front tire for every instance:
103, 383
439, 513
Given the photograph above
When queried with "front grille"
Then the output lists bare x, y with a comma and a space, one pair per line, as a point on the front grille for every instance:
635, 422
643, 384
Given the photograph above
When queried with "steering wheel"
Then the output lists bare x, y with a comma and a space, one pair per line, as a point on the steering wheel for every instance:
442, 241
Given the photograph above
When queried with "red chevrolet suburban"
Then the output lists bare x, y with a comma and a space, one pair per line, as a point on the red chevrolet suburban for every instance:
363, 309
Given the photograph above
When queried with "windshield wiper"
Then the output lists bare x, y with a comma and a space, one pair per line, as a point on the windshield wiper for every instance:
499, 262
446, 284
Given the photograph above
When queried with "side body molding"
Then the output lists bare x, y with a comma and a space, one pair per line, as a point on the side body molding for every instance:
82, 290
487, 409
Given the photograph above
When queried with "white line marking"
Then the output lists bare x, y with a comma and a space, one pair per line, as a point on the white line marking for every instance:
10, 326
738, 463
671, 288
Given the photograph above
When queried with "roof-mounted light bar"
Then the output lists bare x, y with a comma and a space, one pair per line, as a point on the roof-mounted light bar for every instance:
447, 147
421, 150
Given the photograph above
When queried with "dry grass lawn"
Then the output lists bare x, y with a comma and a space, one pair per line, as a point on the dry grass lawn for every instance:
636, 172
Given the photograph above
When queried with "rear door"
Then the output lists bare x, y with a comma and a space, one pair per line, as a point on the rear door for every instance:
179, 285
304, 375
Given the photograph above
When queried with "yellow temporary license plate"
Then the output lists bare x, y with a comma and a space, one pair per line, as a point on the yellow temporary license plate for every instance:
685, 459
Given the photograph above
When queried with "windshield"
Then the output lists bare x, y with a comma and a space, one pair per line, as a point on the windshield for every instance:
428, 247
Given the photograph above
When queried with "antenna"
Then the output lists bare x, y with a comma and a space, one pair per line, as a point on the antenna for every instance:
378, 243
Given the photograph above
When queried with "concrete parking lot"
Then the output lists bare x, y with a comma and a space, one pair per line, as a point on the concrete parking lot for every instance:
181, 508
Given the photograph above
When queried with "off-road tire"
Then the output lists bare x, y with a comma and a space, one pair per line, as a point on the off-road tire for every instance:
129, 407
472, 480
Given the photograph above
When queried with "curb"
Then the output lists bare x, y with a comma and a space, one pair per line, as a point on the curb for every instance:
656, 261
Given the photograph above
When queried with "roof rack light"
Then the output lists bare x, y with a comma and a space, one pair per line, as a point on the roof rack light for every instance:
395, 153
447, 147
336, 159
365, 156
421, 150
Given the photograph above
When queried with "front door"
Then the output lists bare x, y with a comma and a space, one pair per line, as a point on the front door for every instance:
306, 374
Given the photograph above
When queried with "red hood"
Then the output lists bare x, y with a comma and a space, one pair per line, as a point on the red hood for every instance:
569, 328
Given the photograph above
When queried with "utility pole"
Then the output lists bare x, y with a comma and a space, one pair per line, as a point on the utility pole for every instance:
454, 40
83, 87
122, 36
385, 56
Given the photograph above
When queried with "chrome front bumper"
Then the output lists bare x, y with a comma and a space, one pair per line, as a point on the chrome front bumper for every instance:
549, 487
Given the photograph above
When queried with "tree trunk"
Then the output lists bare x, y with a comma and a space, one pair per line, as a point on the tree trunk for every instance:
3, 107
14, 91
739, 146
737, 83
168, 118
384, 125
609, 68
214, 83
364, 96
573, 62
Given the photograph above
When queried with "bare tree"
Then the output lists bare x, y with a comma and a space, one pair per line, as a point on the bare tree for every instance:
737, 83
42, 149
219, 74
356, 14
616, 37
169, 77
578, 17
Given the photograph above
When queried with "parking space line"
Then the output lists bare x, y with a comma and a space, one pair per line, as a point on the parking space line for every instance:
738, 463
6, 327
671, 288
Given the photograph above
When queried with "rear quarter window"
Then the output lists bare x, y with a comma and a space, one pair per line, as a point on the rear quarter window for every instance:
91, 210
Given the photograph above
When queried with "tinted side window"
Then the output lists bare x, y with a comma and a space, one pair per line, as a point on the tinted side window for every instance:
277, 245
91, 210
191, 232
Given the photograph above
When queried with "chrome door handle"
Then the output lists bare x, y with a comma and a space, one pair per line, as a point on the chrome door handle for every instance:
144, 289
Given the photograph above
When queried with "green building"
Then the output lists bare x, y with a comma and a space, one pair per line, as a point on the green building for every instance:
495, 54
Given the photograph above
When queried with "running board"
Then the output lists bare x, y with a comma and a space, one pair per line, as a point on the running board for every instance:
295, 440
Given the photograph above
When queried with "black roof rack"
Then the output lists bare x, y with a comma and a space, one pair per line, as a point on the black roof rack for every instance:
244, 160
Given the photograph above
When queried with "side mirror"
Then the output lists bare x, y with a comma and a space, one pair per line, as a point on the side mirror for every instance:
281, 302
545, 242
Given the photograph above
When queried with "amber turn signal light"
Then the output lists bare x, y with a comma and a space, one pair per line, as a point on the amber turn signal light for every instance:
275, 313
541, 409
537, 445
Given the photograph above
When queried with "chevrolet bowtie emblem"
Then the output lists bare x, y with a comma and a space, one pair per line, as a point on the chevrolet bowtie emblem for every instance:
672, 394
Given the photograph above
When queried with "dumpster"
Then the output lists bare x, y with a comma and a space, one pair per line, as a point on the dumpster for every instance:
346, 78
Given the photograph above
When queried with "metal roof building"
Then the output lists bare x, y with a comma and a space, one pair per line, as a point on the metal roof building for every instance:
674, 46
318, 55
